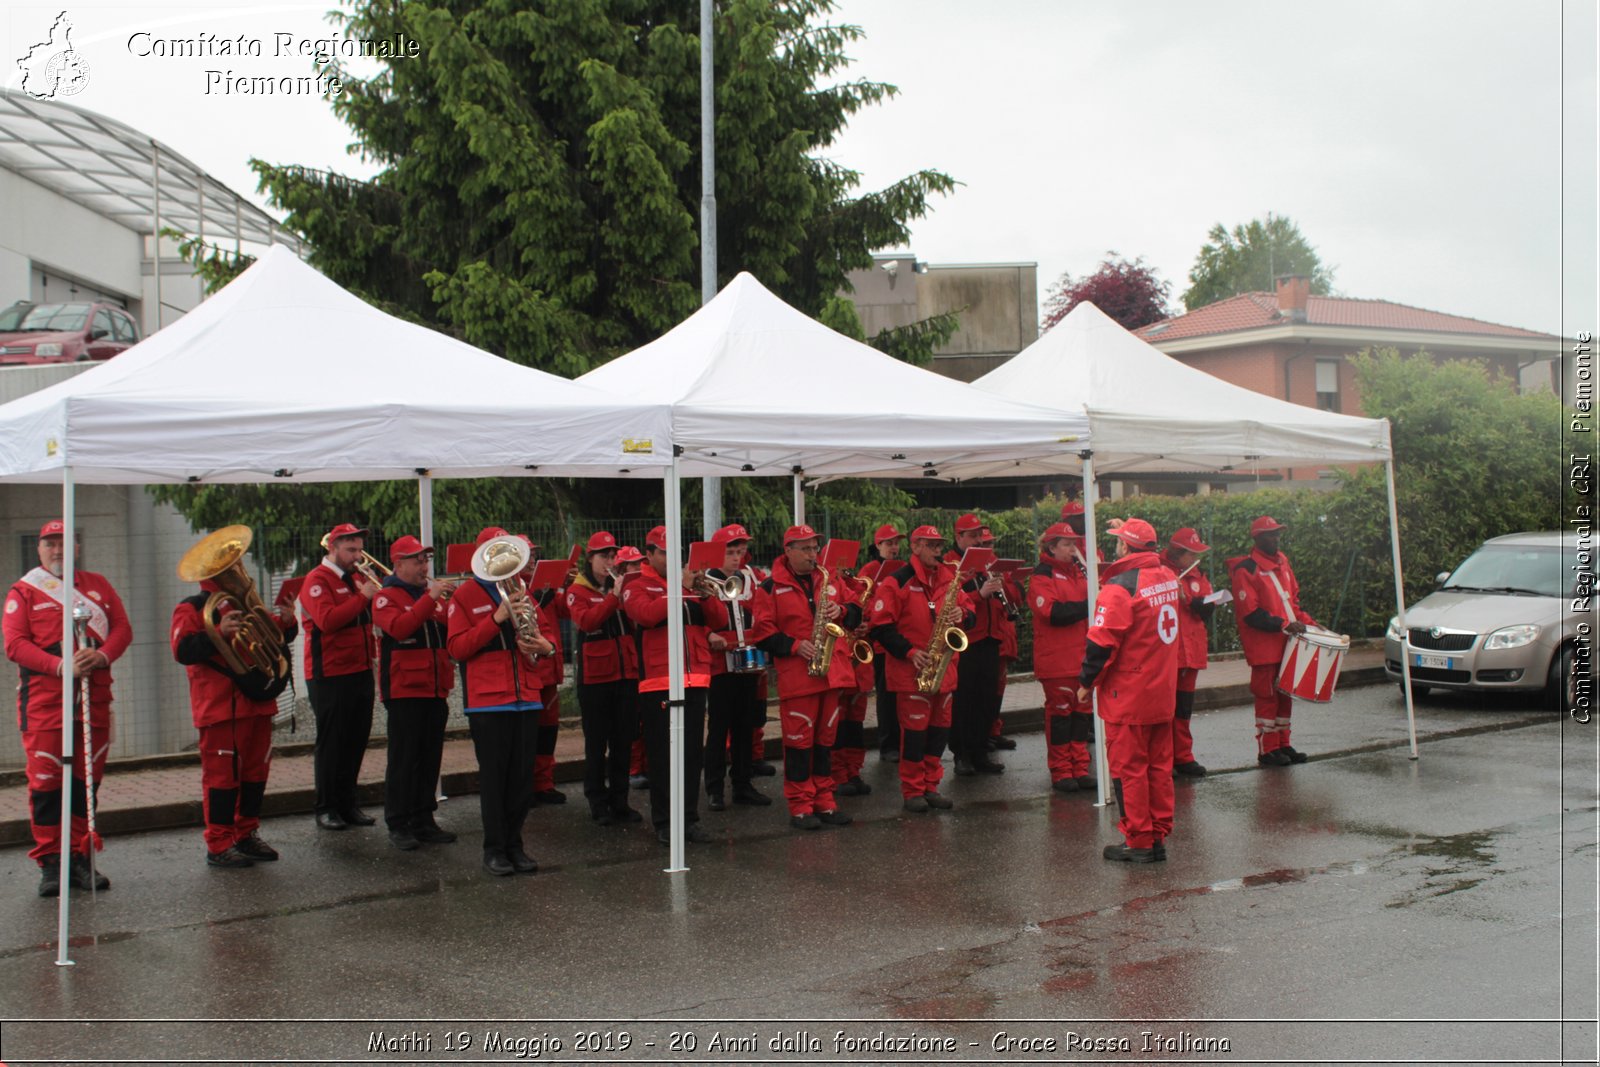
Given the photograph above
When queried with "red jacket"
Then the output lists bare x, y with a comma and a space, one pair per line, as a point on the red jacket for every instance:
644, 599
32, 630
852, 588
607, 645
1058, 597
214, 692
1266, 599
551, 609
1193, 614
494, 671
338, 624
1131, 650
903, 608
412, 661
785, 609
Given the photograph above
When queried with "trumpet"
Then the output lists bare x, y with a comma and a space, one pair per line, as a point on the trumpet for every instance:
730, 588
372, 570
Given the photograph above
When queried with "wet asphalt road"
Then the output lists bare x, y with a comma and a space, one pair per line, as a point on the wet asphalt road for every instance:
1358, 907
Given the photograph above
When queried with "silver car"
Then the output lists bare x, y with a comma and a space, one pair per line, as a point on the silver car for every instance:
1517, 615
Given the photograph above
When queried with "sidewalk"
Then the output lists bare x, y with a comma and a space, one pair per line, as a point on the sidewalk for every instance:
165, 793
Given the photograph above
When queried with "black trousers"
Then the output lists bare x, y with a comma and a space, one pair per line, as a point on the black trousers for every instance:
610, 712
734, 709
343, 708
654, 718
505, 743
973, 712
416, 746
888, 718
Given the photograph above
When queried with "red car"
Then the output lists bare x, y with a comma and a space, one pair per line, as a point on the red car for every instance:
64, 333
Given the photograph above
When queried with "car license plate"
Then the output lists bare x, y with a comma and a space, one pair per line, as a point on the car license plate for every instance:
1442, 662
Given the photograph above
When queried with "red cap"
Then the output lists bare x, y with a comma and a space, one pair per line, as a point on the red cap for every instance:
53, 528
1264, 524
406, 547
656, 538
1060, 529
600, 540
798, 533
729, 534
887, 532
985, 534
345, 529
1071, 507
926, 533
489, 533
629, 554
968, 522
1136, 533
1188, 540
531, 542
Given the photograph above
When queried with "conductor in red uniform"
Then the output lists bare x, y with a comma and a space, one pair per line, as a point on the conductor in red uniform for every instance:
1131, 655
32, 629
1267, 610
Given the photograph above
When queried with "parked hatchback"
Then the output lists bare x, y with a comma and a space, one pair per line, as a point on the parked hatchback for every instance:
1508, 618
64, 333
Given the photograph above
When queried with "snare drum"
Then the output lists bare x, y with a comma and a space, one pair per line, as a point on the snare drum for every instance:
1310, 667
747, 660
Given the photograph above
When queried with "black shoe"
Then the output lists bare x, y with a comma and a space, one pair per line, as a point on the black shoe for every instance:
716, 802
805, 822
697, 833
78, 871
749, 794
625, 814
431, 833
521, 862
834, 818
988, 766
1002, 743
916, 804
549, 796
1089, 782
50, 877
331, 820
891, 756
1159, 850
497, 863
938, 800
855, 787
230, 858
357, 817
256, 849
964, 767
1294, 754
1123, 854
601, 814
762, 769
1189, 770
1065, 785
404, 840
638, 781
1276, 758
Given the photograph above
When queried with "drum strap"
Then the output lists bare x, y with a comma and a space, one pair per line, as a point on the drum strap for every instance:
1288, 608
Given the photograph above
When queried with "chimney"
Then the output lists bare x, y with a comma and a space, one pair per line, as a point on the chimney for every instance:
1293, 292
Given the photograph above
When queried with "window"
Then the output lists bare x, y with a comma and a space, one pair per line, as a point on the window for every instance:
1328, 384
102, 324
124, 327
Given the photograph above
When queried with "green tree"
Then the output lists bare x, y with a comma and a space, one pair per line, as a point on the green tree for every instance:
539, 190
1251, 258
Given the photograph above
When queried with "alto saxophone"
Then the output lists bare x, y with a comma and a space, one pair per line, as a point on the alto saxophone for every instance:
946, 640
824, 634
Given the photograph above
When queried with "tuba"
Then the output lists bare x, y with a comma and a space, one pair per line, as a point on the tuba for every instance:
824, 634
259, 643
500, 561
946, 640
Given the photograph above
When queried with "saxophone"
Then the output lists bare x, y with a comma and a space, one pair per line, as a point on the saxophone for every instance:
946, 640
824, 634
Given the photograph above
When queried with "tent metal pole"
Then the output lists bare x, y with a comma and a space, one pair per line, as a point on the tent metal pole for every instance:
674, 578
1400, 608
799, 497
1091, 560
710, 487
425, 508
69, 541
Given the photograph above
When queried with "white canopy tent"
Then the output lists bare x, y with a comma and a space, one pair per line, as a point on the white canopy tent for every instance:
284, 376
1149, 412
758, 388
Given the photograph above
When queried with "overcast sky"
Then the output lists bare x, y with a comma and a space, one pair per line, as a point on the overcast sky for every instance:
1421, 145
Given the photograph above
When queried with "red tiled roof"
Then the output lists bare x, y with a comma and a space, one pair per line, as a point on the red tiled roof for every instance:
1253, 310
